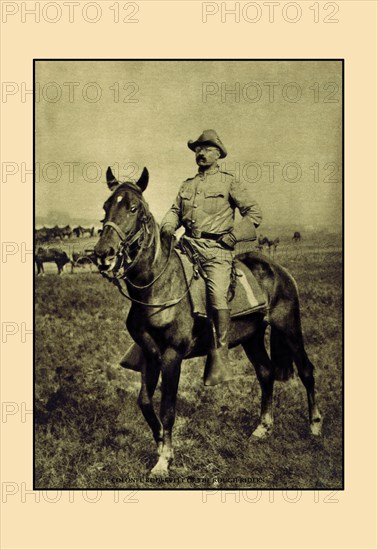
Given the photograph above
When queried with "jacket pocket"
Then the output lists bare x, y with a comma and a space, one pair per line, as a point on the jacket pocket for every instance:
186, 195
213, 202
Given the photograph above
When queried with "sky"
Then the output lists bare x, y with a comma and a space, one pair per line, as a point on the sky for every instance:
281, 122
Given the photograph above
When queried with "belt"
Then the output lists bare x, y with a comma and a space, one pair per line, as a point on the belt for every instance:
203, 235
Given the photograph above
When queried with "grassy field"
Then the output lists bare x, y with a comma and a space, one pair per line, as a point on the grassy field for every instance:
89, 432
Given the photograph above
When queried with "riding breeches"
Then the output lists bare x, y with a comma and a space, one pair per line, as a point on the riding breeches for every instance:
216, 262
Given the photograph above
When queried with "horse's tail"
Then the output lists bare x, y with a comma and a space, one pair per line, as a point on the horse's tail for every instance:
281, 355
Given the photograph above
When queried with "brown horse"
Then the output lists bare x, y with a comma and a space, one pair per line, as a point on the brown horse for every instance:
296, 237
147, 271
50, 255
269, 243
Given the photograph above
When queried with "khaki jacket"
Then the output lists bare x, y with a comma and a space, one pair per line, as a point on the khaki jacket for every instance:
207, 202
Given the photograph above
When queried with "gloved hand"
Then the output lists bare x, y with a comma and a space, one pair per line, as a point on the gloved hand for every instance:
228, 241
167, 231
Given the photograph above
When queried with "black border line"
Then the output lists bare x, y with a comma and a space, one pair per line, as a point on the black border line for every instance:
33, 275
143, 489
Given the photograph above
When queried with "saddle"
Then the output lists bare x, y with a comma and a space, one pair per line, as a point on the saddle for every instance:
245, 297
245, 294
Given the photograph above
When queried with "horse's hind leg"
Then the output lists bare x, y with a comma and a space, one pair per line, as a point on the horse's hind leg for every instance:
256, 352
306, 374
294, 340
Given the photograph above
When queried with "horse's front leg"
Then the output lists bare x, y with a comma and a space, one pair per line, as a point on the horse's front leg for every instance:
150, 377
170, 370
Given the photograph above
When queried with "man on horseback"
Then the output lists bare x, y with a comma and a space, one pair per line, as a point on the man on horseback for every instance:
205, 206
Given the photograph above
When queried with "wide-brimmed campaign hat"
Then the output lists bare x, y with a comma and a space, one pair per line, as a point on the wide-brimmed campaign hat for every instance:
211, 138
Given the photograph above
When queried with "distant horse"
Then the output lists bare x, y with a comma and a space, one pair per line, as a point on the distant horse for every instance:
80, 231
271, 245
60, 232
296, 237
148, 272
50, 255
87, 231
66, 232
56, 232
42, 235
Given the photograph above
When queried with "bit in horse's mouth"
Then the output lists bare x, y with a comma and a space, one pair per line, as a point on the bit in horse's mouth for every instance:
107, 266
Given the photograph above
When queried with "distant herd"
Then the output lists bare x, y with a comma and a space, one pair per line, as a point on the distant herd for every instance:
49, 235
47, 247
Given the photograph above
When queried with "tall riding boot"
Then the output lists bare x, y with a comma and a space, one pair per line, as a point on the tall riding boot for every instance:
217, 368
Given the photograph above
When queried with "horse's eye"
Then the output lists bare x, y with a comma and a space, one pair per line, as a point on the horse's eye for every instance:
133, 209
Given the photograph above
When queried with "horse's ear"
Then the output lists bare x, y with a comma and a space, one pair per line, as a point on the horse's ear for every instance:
110, 179
143, 180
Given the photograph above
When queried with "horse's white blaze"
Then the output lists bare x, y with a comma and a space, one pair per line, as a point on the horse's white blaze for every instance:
119, 198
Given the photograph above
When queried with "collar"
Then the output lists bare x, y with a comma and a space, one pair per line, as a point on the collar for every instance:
204, 173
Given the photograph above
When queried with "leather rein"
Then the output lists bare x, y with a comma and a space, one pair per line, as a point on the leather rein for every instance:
125, 262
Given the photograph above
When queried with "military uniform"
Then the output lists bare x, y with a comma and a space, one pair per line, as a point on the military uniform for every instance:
205, 206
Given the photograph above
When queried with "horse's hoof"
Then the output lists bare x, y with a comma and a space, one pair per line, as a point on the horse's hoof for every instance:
262, 432
161, 467
316, 427
158, 472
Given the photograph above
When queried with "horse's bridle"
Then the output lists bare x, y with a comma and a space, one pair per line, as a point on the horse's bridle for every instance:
123, 252
123, 256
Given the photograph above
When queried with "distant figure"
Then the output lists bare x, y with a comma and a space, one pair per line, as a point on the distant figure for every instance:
50, 255
296, 237
77, 231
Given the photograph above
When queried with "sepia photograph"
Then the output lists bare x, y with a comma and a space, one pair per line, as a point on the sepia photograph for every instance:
188, 274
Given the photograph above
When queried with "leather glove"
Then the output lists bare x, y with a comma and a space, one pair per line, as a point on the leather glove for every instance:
167, 231
228, 241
